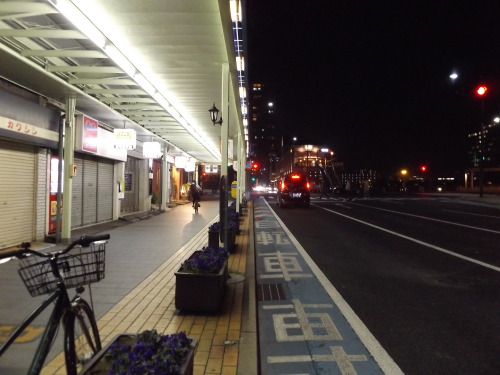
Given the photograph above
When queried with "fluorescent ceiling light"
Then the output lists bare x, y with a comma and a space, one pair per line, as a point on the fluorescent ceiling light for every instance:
240, 63
120, 60
234, 6
77, 18
145, 84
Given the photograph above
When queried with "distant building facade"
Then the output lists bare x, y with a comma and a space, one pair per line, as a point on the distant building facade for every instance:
484, 147
264, 139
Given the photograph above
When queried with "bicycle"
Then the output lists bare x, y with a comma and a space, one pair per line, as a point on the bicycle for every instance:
196, 205
54, 274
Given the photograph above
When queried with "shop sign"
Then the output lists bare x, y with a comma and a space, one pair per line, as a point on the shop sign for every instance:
211, 168
27, 129
190, 166
125, 139
180, 162
151, 150
89, 134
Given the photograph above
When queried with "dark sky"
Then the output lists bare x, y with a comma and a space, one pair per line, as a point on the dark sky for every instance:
370, 78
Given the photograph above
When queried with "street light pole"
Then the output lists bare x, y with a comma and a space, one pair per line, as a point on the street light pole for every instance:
481, 92
223, 234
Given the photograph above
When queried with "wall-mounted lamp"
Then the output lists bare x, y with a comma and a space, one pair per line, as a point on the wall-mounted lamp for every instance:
214, 115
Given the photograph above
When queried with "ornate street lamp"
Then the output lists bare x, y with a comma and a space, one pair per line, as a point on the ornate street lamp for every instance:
223, 232
214, 115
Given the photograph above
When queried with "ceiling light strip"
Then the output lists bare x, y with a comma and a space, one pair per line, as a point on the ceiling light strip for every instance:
87, 27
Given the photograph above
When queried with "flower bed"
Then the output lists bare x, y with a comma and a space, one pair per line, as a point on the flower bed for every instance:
143, 354
201, 281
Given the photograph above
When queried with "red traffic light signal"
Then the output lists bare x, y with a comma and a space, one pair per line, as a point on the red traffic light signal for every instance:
481, 90
423, 168
255, 166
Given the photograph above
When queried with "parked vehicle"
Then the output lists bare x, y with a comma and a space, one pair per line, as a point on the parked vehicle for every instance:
294, 189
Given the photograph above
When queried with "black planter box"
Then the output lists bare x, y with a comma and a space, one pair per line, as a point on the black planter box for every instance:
213, 238
200, 292
98, 366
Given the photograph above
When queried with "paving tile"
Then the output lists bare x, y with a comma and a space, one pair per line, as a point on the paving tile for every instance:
214, 366
231, 355
229, 370
204, 345
198, 370
219, 339
152, 305
216, 351
201, 358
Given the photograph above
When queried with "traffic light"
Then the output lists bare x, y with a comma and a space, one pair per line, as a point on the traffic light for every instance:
423, 168
481, 90
255, 166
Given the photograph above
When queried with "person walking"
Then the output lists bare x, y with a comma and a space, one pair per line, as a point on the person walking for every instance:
348, 193
366, 188
325, 191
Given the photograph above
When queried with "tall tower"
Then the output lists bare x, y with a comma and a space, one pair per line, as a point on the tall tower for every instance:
264, 134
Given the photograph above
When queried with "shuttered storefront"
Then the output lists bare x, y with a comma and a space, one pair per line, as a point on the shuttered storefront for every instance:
105, 197
92, 191
131, 201
17, 192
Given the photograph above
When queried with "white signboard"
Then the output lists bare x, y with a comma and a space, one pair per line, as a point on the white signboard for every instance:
151, 150
125, 139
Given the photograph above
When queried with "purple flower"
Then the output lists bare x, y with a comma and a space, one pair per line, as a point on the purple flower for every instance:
152, 354
208, 260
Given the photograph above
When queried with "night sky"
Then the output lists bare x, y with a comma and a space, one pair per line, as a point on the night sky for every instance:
370, 79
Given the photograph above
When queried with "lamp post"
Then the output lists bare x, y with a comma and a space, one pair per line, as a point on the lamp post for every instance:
223, 235
481, 93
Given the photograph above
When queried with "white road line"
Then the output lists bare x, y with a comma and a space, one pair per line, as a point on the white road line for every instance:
470, 213
432, 219
494, 268
384, 360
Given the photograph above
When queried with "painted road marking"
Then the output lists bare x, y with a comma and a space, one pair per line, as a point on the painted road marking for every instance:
30, 333
379, 354
494, 268
343, 360
271, 238
306, 325
288, 265
431, 219
470, 213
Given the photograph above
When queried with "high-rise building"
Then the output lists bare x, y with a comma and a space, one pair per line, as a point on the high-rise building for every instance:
264, 139
485, 145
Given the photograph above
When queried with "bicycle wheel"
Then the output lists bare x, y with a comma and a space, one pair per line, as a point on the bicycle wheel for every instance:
81, 336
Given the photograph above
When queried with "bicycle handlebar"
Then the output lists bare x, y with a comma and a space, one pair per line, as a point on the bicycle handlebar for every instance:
83, 241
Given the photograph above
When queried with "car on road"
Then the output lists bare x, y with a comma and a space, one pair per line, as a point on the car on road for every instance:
294, 189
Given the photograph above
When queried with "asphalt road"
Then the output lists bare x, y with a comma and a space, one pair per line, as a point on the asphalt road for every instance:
422, 273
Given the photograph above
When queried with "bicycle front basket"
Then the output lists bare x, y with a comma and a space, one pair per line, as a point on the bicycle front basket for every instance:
83, 266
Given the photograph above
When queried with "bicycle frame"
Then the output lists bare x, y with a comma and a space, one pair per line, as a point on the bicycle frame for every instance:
62, 302
63, 306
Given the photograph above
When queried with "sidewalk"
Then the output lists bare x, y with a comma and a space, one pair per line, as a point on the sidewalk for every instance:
128, 302
223, 338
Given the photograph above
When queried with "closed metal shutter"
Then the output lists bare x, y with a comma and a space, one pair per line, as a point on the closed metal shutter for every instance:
92, 191
76, 203
131, 201
89, 191
105, 189
17, 191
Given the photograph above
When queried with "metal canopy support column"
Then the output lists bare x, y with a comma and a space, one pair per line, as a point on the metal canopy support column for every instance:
240, 174
224, 145
69, 151
165, 178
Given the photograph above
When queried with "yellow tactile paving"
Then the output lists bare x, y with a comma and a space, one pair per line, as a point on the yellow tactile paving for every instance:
151, 305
